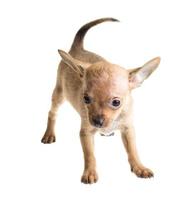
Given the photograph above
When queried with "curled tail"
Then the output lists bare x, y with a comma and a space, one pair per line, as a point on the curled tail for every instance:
78, 40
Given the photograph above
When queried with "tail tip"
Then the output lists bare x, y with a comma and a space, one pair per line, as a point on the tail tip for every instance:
114, 19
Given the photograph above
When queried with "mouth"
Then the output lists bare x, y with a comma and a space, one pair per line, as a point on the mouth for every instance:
105, 125
99, 126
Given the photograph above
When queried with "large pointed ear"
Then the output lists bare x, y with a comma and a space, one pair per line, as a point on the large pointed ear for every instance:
67, 58
138, 75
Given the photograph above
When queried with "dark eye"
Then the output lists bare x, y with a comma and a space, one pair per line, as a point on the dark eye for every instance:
116, 103
87, 99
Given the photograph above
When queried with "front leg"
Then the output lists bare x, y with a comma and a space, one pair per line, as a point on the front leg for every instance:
128, 138
87, 142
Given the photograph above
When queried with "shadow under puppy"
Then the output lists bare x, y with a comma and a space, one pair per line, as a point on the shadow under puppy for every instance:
101, 93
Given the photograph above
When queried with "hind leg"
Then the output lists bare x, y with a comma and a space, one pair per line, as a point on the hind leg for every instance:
57, 100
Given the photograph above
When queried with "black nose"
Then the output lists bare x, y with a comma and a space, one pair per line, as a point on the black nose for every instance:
98, 121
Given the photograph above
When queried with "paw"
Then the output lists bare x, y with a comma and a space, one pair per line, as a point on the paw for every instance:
48, 138
89, 177
142, 172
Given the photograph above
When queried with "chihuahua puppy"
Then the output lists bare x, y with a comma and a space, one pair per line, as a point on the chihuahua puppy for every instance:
101, 93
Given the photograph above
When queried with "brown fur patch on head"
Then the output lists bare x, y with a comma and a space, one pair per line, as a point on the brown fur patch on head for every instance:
103, 82
106, 77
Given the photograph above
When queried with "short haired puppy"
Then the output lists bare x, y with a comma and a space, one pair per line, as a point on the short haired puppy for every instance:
101, 93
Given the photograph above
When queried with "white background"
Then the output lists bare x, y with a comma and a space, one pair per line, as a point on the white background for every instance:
30, 34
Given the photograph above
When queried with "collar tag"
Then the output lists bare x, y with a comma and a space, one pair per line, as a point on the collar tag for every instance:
106, 135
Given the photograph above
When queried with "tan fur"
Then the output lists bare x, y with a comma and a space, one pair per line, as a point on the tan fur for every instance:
83, 73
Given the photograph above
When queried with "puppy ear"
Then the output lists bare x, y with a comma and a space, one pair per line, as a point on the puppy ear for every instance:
67, 58
138, 75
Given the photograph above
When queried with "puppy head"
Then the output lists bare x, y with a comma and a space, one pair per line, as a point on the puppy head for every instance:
105, 90
106, 87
